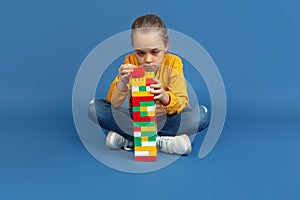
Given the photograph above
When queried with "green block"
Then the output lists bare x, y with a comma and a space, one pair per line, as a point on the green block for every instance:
148, 133
147, 103
144, 123
144, 114
142, 88
152, 138
137, 141
135, 109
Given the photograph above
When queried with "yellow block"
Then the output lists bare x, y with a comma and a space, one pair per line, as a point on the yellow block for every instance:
141, 94
138, 81
143, 108
145, 148
149, 74
148, 128
144, 139
151, 113
153, 153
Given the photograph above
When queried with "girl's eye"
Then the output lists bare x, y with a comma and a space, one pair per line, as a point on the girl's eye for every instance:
155, 52
140, 53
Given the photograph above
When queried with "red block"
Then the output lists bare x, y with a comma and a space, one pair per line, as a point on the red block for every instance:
136, 100
145, 158
138, 72
150, 81
143, 98
137, 118
137, 129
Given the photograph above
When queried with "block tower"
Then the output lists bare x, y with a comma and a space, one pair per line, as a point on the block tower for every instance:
144, 119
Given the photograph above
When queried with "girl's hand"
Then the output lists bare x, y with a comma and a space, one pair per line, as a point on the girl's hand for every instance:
159, 92
124, 73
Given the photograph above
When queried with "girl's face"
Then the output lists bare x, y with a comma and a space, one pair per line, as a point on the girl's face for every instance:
149, 49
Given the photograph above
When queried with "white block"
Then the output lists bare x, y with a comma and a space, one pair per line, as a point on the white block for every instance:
141, 153
151, 143
137, 134
135, 88
151, 108
148, 88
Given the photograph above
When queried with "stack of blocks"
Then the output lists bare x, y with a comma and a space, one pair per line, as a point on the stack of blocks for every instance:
144, 119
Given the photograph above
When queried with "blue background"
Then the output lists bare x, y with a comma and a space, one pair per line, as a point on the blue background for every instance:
255, 45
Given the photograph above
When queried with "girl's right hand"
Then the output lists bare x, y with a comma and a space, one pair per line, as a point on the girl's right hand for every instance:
124, 73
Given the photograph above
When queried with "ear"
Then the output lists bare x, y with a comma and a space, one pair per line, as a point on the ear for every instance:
166, 47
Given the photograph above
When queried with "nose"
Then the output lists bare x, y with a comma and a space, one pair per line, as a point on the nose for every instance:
148, 58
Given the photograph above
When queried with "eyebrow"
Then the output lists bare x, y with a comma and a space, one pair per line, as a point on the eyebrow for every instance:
150, 49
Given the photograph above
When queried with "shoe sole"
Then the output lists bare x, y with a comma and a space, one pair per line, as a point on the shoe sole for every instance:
187, 140
189, 150
108, 138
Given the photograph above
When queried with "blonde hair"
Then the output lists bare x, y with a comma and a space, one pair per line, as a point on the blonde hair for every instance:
149, 23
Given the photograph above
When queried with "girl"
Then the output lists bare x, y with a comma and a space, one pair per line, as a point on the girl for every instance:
175, 119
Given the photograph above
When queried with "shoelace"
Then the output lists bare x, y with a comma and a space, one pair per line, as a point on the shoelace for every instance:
127, 145
166, 144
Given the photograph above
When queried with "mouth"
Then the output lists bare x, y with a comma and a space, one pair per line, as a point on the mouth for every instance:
150, 67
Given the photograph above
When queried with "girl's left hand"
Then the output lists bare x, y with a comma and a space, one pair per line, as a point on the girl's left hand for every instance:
159, 92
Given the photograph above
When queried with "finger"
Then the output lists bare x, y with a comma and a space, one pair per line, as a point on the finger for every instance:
128, 66
156, 86
127, 71
156, 80
158, 97
125, 76
125, 67
156, 92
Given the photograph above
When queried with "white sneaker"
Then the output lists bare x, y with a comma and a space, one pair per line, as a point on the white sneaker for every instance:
115, 141
175, 145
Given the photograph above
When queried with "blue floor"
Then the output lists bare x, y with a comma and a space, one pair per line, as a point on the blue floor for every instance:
256, 47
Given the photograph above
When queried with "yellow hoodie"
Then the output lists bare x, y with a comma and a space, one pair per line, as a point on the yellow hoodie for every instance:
171, 76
